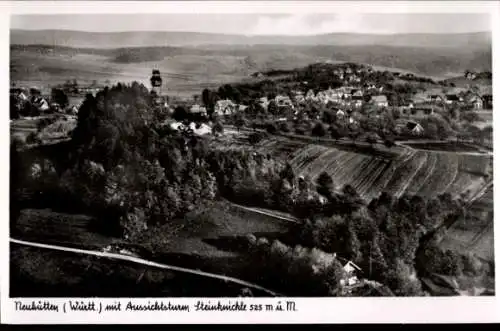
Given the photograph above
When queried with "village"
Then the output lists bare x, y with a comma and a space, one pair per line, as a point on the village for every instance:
403, 106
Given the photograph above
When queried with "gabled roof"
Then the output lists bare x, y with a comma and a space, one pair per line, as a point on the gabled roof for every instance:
452, 97
224, 103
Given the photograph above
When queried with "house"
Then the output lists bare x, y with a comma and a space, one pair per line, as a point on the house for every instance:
283, 101
470, 75
357, 95
225, 107
436, 98
357, 103
322, 97
200, 129
54, 106
40, 103
258, 75
406, 105
414, 128
379, 100
340, 113
351, 271
299, 98
421, 98
19, 93
475, 101
310, 96
263, 102
334, 95
199, 110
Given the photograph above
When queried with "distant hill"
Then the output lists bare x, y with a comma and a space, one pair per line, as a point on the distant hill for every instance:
438, 63
477, 40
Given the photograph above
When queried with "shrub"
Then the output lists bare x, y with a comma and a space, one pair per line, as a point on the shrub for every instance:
284, 127
319, 130
271, 128
32, 138
300, 270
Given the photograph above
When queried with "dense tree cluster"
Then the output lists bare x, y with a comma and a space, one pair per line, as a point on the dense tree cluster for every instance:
309, 271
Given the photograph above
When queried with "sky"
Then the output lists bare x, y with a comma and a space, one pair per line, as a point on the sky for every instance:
260, 24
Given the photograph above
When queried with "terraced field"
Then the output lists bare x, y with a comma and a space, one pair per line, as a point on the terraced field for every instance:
426, 173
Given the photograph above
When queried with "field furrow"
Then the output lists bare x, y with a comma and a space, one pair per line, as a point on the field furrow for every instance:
329, 160
423, 174
403, 172
346, 174
314, 168
411, 175
441, 177
307, 155
369, 188
453, 174
366, 173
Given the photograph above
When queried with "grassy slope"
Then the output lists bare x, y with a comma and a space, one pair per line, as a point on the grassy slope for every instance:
44, 273
188, 70
207, 239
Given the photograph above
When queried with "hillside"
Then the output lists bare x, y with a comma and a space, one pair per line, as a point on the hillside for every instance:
190, 69
162, 38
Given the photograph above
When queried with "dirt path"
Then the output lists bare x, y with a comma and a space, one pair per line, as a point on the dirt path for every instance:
270, 213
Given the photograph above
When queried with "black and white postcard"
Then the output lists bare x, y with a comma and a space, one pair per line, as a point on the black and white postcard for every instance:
248, 162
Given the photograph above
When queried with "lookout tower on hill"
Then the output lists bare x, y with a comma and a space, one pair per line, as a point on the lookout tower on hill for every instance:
156, 84
156, 81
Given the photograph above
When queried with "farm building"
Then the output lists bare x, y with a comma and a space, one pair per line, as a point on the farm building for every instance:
358, 95
283, 101
436, 98
409, 127
40, 103
340, 113
475, 101
225, 107
421, 98
263, 102
19, 93
356, 103
379, 101
199, 110
310, 96
200, 129
351, 272
415, 128
258, 74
